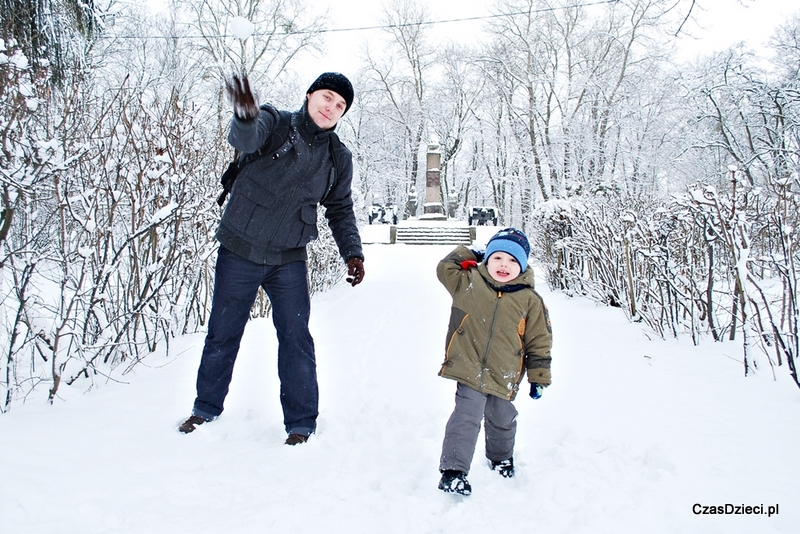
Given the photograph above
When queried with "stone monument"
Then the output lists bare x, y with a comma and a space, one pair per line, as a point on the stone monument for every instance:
433, 208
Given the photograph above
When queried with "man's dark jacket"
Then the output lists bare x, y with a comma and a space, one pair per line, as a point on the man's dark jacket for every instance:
271, 214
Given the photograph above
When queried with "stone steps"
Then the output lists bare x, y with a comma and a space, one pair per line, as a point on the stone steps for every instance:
433, 235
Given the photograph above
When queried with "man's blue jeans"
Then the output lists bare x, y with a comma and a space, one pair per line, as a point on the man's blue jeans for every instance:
235, 288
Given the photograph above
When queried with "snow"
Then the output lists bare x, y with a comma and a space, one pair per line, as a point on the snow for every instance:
376, 233
160, 215
19, 60
633, 433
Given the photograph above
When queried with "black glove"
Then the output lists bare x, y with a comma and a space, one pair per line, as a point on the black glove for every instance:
244, 100
536, 390
355, 271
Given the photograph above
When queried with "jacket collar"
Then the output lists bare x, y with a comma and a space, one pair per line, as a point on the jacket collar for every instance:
308, 129
524, 280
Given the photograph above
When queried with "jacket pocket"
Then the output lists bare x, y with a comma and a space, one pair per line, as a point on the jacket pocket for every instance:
456, 326
250, 208
455, 363
308, 215
521, 334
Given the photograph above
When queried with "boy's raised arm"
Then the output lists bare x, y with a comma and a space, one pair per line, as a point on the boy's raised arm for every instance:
451, 272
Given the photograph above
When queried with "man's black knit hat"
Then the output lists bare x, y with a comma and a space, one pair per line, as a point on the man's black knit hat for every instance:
337, 83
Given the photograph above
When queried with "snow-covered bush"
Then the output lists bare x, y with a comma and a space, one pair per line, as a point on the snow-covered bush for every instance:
705, 263
108, 184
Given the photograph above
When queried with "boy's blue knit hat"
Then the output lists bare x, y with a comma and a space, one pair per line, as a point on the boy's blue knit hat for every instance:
510, 241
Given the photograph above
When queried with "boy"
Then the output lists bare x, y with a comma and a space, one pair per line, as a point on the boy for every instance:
499, 327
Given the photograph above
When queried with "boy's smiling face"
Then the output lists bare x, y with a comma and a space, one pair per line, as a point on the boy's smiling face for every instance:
502, 266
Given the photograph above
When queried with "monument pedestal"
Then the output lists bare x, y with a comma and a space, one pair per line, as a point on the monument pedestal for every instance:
433, 210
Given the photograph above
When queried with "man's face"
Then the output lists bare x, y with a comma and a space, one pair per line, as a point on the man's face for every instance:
502, 266
325, 107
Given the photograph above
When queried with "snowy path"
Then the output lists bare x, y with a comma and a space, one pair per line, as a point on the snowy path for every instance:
632, 434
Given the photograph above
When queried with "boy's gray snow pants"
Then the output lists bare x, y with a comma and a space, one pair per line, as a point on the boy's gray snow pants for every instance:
461, 433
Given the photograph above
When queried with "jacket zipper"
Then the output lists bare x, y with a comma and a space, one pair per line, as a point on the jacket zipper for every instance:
291, 197
485, 361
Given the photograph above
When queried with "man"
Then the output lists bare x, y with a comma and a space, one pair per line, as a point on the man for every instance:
270, 217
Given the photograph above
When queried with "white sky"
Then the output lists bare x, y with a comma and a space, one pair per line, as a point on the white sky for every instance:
721, 24
726, 22
345, 46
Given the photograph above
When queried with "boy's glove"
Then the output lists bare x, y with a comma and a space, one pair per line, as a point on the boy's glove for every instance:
536, 390
244, 100
355, 271
479, 254
468, 264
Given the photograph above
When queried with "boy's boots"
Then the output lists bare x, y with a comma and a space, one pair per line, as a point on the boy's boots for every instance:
455, 482
504, 467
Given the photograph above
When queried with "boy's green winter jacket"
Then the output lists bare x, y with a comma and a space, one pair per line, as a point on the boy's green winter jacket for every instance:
496, 331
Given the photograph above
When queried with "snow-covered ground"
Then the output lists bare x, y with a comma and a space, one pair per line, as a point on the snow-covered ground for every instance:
635, 435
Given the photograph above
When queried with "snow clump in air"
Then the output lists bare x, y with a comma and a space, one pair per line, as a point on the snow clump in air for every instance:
241, 28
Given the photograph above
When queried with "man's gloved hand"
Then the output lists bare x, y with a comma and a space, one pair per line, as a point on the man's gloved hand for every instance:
244, 100
355, 271
468, 264
536, 390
